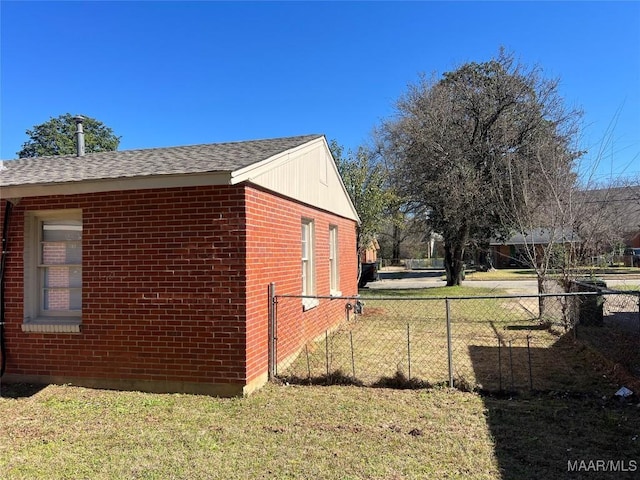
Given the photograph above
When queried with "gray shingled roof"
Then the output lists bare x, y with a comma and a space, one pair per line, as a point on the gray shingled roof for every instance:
208, 158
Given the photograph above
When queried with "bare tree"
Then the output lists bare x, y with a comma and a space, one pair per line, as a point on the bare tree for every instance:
454, 140
535, 199
562, 220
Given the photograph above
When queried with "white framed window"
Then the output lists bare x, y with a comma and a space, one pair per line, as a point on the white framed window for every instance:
53, 271
308, 263
334, 273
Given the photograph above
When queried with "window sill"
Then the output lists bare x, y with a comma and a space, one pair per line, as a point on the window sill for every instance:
46, 325
309, 303
334, 293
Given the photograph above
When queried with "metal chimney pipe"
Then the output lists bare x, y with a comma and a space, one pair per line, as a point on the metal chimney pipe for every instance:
79, 135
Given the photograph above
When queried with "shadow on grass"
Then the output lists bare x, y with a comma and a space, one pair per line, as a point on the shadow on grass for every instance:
524, 272
20, 390
553, 413
333, 378
411, 274
564, 436
617, 343
399, 381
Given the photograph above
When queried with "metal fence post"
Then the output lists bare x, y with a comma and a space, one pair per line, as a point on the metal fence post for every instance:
639, 314
499, 364
326, 349
409, 350
272, 332
353, 358
511, 365
529, 356
449, 346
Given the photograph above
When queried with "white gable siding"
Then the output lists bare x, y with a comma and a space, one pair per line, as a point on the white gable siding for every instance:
307, 174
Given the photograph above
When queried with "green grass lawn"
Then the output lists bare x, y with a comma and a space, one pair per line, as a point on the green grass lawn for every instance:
502, 274
497, 343
458, 291
308, 432
529, 274
632, 286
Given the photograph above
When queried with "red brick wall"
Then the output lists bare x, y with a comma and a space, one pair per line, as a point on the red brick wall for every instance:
274, 255
167, 296
163, 289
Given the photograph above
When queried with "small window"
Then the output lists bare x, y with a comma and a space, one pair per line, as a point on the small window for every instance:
60, 267
334, 280
53, 271
308, 272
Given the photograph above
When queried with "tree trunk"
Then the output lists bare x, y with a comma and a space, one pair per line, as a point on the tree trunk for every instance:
453, 264
541, 291
454, 255
396, 246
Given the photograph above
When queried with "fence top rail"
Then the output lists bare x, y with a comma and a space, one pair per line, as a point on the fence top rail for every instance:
468, 297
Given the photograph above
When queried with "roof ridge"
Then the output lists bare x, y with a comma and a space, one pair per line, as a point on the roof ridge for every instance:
194, 145
224, 157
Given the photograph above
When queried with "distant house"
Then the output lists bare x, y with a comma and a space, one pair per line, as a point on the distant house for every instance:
370, 254
512, 253
608, 220
149, 269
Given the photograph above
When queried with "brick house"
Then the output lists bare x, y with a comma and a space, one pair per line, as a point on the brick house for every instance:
609, 219
512, 252
149, 269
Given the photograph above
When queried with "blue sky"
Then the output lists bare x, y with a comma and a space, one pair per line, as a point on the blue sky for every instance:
179, 73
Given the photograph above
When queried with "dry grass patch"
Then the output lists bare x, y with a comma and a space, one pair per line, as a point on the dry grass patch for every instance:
280, 432
298, 432
497, 343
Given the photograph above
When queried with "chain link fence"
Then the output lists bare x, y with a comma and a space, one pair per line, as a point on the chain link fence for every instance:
617, 337
492, 343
